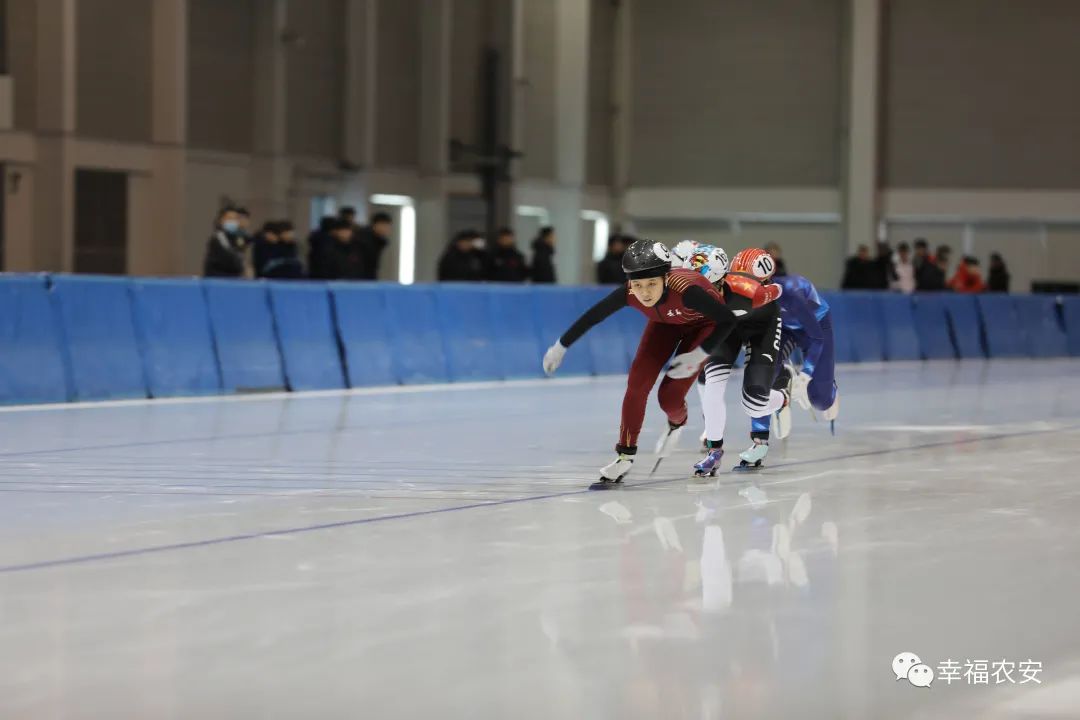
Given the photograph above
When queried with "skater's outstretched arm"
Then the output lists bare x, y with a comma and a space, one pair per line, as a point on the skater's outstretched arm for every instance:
595, 315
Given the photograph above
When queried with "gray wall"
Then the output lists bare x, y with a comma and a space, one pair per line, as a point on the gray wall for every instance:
113, 57
598, 168
739, 93
467, 37
982, 94
539, 119
397, 121
221, 74
315, 78
22, 61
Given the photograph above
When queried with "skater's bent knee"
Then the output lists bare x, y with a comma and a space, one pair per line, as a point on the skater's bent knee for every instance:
755, 400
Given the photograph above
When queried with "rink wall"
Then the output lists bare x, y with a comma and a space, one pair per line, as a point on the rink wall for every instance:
71, 338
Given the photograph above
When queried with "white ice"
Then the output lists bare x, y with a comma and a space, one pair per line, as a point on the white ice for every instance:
433, 554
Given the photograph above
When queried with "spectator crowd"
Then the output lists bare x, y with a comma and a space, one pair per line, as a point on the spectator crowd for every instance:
922, 271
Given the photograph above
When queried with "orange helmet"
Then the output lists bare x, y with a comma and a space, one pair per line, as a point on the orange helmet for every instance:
754, 262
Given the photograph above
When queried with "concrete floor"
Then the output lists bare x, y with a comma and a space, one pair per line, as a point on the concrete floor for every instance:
433, 553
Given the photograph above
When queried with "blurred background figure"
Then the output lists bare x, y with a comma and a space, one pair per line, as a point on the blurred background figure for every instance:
859, 271
903, 270
543, 264
372, 240
777, 255
884, 272
999, 274
609, 270
463, 260
243, 218
505, 262
967, 278
275, 254
227, 247
931, 275
317, 240
336, 255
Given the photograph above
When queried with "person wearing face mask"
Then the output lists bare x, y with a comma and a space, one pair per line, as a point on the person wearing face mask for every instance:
463, 261
687, 318
225, 251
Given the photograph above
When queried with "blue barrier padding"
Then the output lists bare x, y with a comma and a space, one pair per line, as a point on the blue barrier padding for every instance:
416, 342
1005, 336
556, 309
306, 335
898, 324
466, 319
867, 327
177, 346
843, 326
98, 330
1045, 335
360, 311
31, 364
606, 342
244, 335
1071, 308
963, 314
932, 326
519, 350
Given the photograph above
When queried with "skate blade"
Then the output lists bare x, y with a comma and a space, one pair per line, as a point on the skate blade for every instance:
607, 484
740, 468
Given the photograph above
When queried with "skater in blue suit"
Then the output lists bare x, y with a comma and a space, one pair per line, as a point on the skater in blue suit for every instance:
807, 326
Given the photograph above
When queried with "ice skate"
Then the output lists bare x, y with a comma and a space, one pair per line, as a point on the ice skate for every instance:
710, 464
612, 474
754, 456
667, 442
833, 410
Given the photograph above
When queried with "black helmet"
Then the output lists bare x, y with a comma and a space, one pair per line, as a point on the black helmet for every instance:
646, 259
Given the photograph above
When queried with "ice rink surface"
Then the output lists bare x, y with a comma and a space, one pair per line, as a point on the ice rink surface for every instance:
433, 554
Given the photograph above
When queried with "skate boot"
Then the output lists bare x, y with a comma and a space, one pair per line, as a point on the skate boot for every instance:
611, 475
710, 464
667, 442
754, 456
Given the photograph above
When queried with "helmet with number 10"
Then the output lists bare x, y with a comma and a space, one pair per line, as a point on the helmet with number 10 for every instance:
754, 262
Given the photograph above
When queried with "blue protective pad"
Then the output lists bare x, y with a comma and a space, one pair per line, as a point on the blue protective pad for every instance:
932, 326
466, 318
98, 330
843, 326
360, 311
244, 335
1042, 325
963, 314
1005, 336
306, 335
31, 360
898, 323
518, 350
415, 337
1071, 308
177, 346
606, 342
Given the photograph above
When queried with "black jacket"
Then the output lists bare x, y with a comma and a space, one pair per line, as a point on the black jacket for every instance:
507, 264
371, 246
276, 259
543, 265
998, 280
860, 274
458, 266
609, 270
335, 260
224, 255
929, 277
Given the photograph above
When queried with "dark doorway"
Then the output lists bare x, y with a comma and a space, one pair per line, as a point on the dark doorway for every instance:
101, 218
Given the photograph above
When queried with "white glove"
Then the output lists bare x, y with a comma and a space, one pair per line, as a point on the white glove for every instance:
687, 364
553, 357
799, 391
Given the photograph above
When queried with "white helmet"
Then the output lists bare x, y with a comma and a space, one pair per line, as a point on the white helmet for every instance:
680, 254
710, 261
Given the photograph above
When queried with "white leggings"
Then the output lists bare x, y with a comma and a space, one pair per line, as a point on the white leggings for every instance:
757, 401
